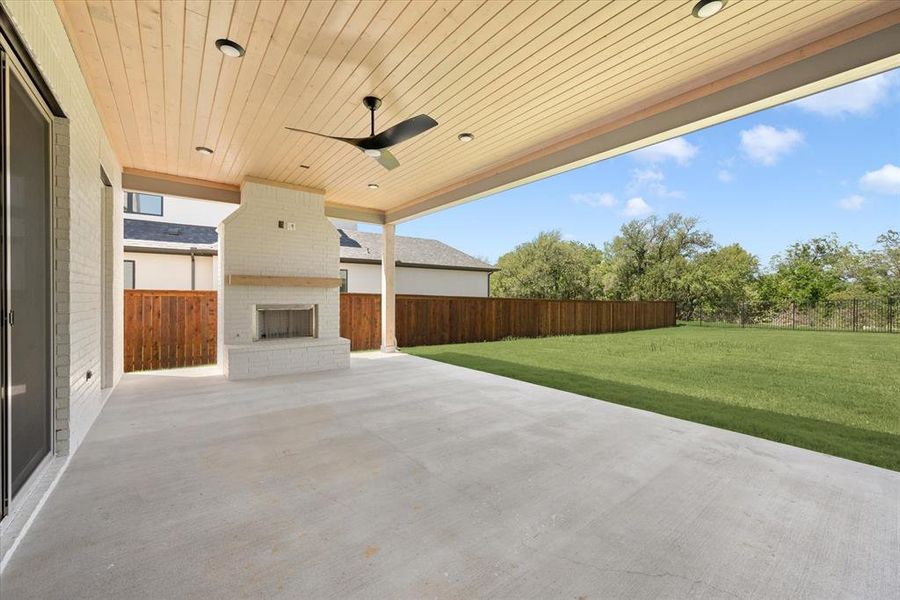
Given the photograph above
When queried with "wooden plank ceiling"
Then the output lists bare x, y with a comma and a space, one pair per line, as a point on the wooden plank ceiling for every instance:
517, 74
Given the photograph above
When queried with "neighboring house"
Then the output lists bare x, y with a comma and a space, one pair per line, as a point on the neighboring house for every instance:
424, 266
170, 242
176, 256
169, 256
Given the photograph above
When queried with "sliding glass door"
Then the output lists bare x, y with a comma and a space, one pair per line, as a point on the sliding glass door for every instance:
28, 406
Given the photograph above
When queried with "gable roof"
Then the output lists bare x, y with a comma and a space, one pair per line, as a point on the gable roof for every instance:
356, 246
365, 247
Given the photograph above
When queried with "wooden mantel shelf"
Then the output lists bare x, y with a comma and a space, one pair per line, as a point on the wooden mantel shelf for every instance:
275, 281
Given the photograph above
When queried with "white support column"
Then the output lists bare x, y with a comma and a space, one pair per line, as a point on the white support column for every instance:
388, 296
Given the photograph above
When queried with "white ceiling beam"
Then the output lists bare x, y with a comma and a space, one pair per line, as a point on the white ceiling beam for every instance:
137, 180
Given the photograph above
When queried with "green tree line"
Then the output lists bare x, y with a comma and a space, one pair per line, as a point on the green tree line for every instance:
673, 258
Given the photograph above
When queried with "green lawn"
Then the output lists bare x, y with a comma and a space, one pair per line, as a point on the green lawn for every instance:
832, 392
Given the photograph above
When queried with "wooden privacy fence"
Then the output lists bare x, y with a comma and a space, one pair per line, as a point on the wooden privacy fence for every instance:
430, 320
166, 329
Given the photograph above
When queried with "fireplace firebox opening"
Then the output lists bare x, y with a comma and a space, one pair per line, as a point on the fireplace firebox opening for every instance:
280, 321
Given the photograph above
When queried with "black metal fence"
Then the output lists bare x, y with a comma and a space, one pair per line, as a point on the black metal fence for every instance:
869, 315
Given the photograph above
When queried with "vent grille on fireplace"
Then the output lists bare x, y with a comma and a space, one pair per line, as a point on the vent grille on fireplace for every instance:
279, 321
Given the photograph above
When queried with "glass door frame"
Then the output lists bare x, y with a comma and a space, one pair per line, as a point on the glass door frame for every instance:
11, 67
4, 304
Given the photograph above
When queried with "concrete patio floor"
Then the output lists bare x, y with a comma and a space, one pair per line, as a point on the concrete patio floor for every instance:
405, 478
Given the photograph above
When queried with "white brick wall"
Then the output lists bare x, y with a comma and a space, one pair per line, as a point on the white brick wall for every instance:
80, 148
282, 357
112, 256
250, 243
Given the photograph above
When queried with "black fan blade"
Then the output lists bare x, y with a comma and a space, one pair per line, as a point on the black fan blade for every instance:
356, 142
387, 160
400, 132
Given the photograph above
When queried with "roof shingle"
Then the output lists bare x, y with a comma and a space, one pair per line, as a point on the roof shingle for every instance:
366, 247
160, 231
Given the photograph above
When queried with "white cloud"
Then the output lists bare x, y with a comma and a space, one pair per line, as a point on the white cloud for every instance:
857, 98
725, 176
678, 149
885, 180
636, 207
767, 145
604, 199
651, 180
854, 202
639, 176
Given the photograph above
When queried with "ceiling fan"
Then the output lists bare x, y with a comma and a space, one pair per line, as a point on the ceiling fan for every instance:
376, 145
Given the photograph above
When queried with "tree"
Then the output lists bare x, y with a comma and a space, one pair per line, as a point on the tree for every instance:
650, 257
810, 271
885, 263
546, 267
671, 258
721, 278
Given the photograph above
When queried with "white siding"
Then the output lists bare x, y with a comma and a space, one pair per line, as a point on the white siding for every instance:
190, 212
362, 278
171, 271
206, 273
366, 278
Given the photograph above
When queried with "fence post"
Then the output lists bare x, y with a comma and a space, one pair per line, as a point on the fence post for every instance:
793, 315
855, 313
890, 315
743, 309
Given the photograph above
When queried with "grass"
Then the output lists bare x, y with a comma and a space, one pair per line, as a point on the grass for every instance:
832, 392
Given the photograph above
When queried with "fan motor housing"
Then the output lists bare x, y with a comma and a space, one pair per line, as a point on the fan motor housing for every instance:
372, 102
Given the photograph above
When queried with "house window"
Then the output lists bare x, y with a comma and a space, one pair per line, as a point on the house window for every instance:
143, 204
344, 280
129, 275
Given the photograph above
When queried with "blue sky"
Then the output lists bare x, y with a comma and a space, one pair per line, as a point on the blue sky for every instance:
827, 163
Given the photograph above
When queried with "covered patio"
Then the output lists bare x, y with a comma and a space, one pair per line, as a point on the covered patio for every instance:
371, 483
308, 472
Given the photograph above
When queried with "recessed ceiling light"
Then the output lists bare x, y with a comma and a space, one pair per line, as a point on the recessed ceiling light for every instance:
203, 150
373, 186
372, 152
466, 137
707, 8
229, 48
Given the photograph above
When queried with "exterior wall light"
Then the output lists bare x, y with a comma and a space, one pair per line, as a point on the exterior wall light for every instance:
466, 137
203, 150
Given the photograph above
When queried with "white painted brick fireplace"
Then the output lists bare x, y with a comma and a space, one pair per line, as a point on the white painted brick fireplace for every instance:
253, 244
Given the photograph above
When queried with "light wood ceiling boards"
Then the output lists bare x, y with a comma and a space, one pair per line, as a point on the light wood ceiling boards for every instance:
520, 75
